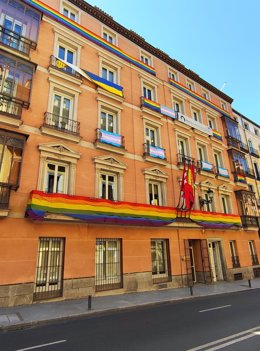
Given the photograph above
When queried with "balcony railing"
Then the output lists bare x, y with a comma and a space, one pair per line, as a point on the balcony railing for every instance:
206, 167
154, 151
254, 260
235, 262
55, 62
222, 172
250, 173
10, 108
249, 221
253, 152
110, 138
231, 141
15, 41
244, 147
184, 159
61, 123
4, 195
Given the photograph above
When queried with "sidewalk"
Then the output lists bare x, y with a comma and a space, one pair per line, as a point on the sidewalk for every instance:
27, 315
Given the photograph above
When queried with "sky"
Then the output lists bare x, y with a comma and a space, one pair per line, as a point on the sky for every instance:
217, 39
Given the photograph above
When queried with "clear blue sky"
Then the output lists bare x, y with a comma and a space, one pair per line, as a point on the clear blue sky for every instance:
218, 39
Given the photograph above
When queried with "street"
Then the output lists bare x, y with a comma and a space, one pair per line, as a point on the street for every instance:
223, 322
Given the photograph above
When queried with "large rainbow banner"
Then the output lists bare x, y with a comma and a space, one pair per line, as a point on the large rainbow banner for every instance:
102, 211
94, 38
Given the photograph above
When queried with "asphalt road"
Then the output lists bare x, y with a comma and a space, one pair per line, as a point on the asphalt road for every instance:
223, 322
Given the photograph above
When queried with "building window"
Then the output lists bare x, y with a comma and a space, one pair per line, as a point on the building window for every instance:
108, 264
109, 73
49, 270
62, 111
155, 193
160, 260
246, 126
178, 105
234, 256
108, 121
209, 205
190, 85
148, 92
152, 135
226, 204
108, 186
173, 75
70, 13
202, 152
56, 178
147, 59
252, 251
196, 115
212, 123
205, 94
109, 36
256, 131
218, 159
223, 105
183, 148
68, 55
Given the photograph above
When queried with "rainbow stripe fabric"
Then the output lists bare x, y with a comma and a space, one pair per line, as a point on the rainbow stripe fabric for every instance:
120, 213
198, 97
84, 32
241, 178
216, 134
151, 105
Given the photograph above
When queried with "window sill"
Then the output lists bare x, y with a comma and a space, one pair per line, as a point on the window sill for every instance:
151, 112
4, 212
110, 148
60, 134
11, 121
59, 73
110, 95
155, 160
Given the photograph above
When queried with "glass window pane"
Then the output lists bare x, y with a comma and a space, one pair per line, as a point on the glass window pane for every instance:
70, 56
61, 53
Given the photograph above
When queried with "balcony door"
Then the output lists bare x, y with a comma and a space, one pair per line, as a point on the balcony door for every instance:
62, 111
14, 29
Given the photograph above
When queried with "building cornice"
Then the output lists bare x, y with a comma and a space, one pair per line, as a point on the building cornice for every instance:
138, 40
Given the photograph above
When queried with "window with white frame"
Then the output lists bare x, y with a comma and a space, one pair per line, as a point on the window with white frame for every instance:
178, 105
218, 158
109, 36
151, 135
251, 245
146, 58
190, 85
160, 255
212, 122
67, 54
202, 152
183, 148
173, 75
246, 126
62, 106
209, 204
205, 94
196, 114
256, 131
155, 193
109, 73
225, 203
149, 92
108, 120
233, 252
223, 105
56, 177
70, 13
108, 187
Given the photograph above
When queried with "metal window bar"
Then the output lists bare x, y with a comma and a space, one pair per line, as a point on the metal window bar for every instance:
55, 62
61, 123
108, 264
4, 195
160, 260
201, 167
16, 41
184, 159
10, 108
49, 270
100, 138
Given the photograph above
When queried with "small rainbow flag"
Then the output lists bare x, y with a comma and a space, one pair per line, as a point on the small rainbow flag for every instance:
216, 134
151, 104
241, 178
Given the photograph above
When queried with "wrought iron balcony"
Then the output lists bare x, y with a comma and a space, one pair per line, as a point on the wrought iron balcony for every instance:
55, 62
235, 262
253, 152
112, 139
249, 221
206, 167
254, 260
61, 123
234, 142
15, 41
185, 160
154, 151
10, 108
4, 195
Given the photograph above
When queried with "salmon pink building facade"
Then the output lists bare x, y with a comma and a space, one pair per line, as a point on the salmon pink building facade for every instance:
99, 134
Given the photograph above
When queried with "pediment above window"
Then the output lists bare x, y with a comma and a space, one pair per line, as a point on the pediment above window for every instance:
155, 173
109, 161
59, 149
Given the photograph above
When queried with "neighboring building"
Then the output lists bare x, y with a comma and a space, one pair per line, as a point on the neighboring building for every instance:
96, 129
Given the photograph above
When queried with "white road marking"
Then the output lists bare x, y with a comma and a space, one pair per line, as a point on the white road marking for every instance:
231, 342
219, 341
42, 345
215, 308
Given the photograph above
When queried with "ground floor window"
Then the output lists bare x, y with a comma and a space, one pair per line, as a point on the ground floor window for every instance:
108, 264
49, 270
160, 260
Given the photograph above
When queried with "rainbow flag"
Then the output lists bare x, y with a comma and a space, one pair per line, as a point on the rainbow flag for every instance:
100, 211
84, 32
241, 178
216, 134
151, 104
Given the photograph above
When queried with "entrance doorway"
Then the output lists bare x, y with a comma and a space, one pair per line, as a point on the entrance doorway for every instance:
215, 258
